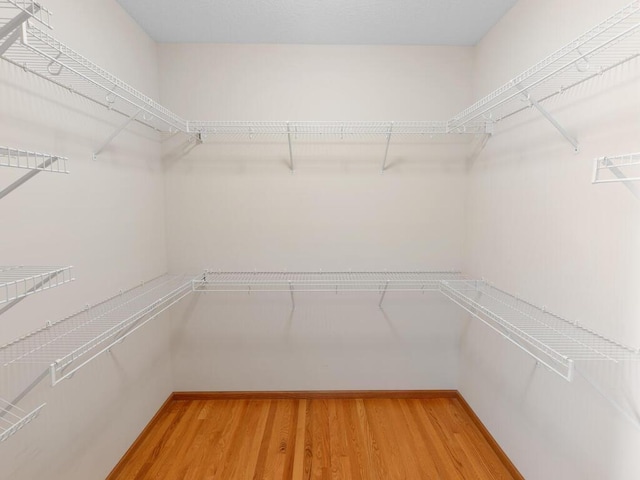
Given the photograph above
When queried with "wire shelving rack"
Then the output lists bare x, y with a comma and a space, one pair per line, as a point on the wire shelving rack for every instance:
605, 46
213, 281
335, 129
16, 158
69, 344
17, 282
13, 418
619, 168
553, 341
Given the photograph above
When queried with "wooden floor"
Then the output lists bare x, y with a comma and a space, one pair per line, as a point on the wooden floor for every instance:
367, 439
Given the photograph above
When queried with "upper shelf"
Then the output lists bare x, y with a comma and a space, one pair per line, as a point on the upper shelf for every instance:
322, 281
81, 337
10, 9
334, 129
12, 157
620, 168
43, 55
605, 46
17, 282
550, 339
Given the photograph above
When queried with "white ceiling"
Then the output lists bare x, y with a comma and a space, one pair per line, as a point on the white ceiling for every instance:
334, 22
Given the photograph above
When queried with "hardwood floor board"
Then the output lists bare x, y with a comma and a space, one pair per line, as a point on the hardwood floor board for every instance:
290, 438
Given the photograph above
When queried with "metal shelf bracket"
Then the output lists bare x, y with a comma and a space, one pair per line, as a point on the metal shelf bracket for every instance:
291, 165
116, 132
563, 131
386, 150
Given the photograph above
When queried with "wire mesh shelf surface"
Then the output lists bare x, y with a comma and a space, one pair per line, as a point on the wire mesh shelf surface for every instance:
550, 339
13, 418
13, 157
9, 9
20, 281
620, 168
605, 46
322, 281
79, 336
50, 59
334, 129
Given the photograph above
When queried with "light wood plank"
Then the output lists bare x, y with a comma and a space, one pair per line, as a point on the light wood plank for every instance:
315, 439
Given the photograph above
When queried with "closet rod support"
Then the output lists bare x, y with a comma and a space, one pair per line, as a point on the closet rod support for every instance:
384, 292
293, 301
115, 134
570, 138
11, 39
26, 177
386, 151
290, 148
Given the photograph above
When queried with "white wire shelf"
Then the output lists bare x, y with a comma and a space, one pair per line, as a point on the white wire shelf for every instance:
550, 339
81, 337
335, 129
43, 55
605, 46
17, 282
13, 418
620, 168
9, 9
322, 281
13, 157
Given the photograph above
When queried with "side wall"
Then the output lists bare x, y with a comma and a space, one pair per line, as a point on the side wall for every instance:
232, 204
107, 219
539, 228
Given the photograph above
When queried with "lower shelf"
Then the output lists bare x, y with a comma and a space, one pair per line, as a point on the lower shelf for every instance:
13, 418
67, 345
550, 339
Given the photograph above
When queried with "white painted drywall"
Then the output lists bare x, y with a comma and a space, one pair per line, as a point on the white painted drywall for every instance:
107, 219
232, 204
538, 227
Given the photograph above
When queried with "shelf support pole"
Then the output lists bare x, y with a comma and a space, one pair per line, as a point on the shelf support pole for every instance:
384, 292
570, 138
291, 166
115, 134
293, 301
386, 151
25, 178
11, 39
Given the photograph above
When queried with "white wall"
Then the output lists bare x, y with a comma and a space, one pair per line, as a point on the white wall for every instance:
232, 204
539, 228
107, 219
